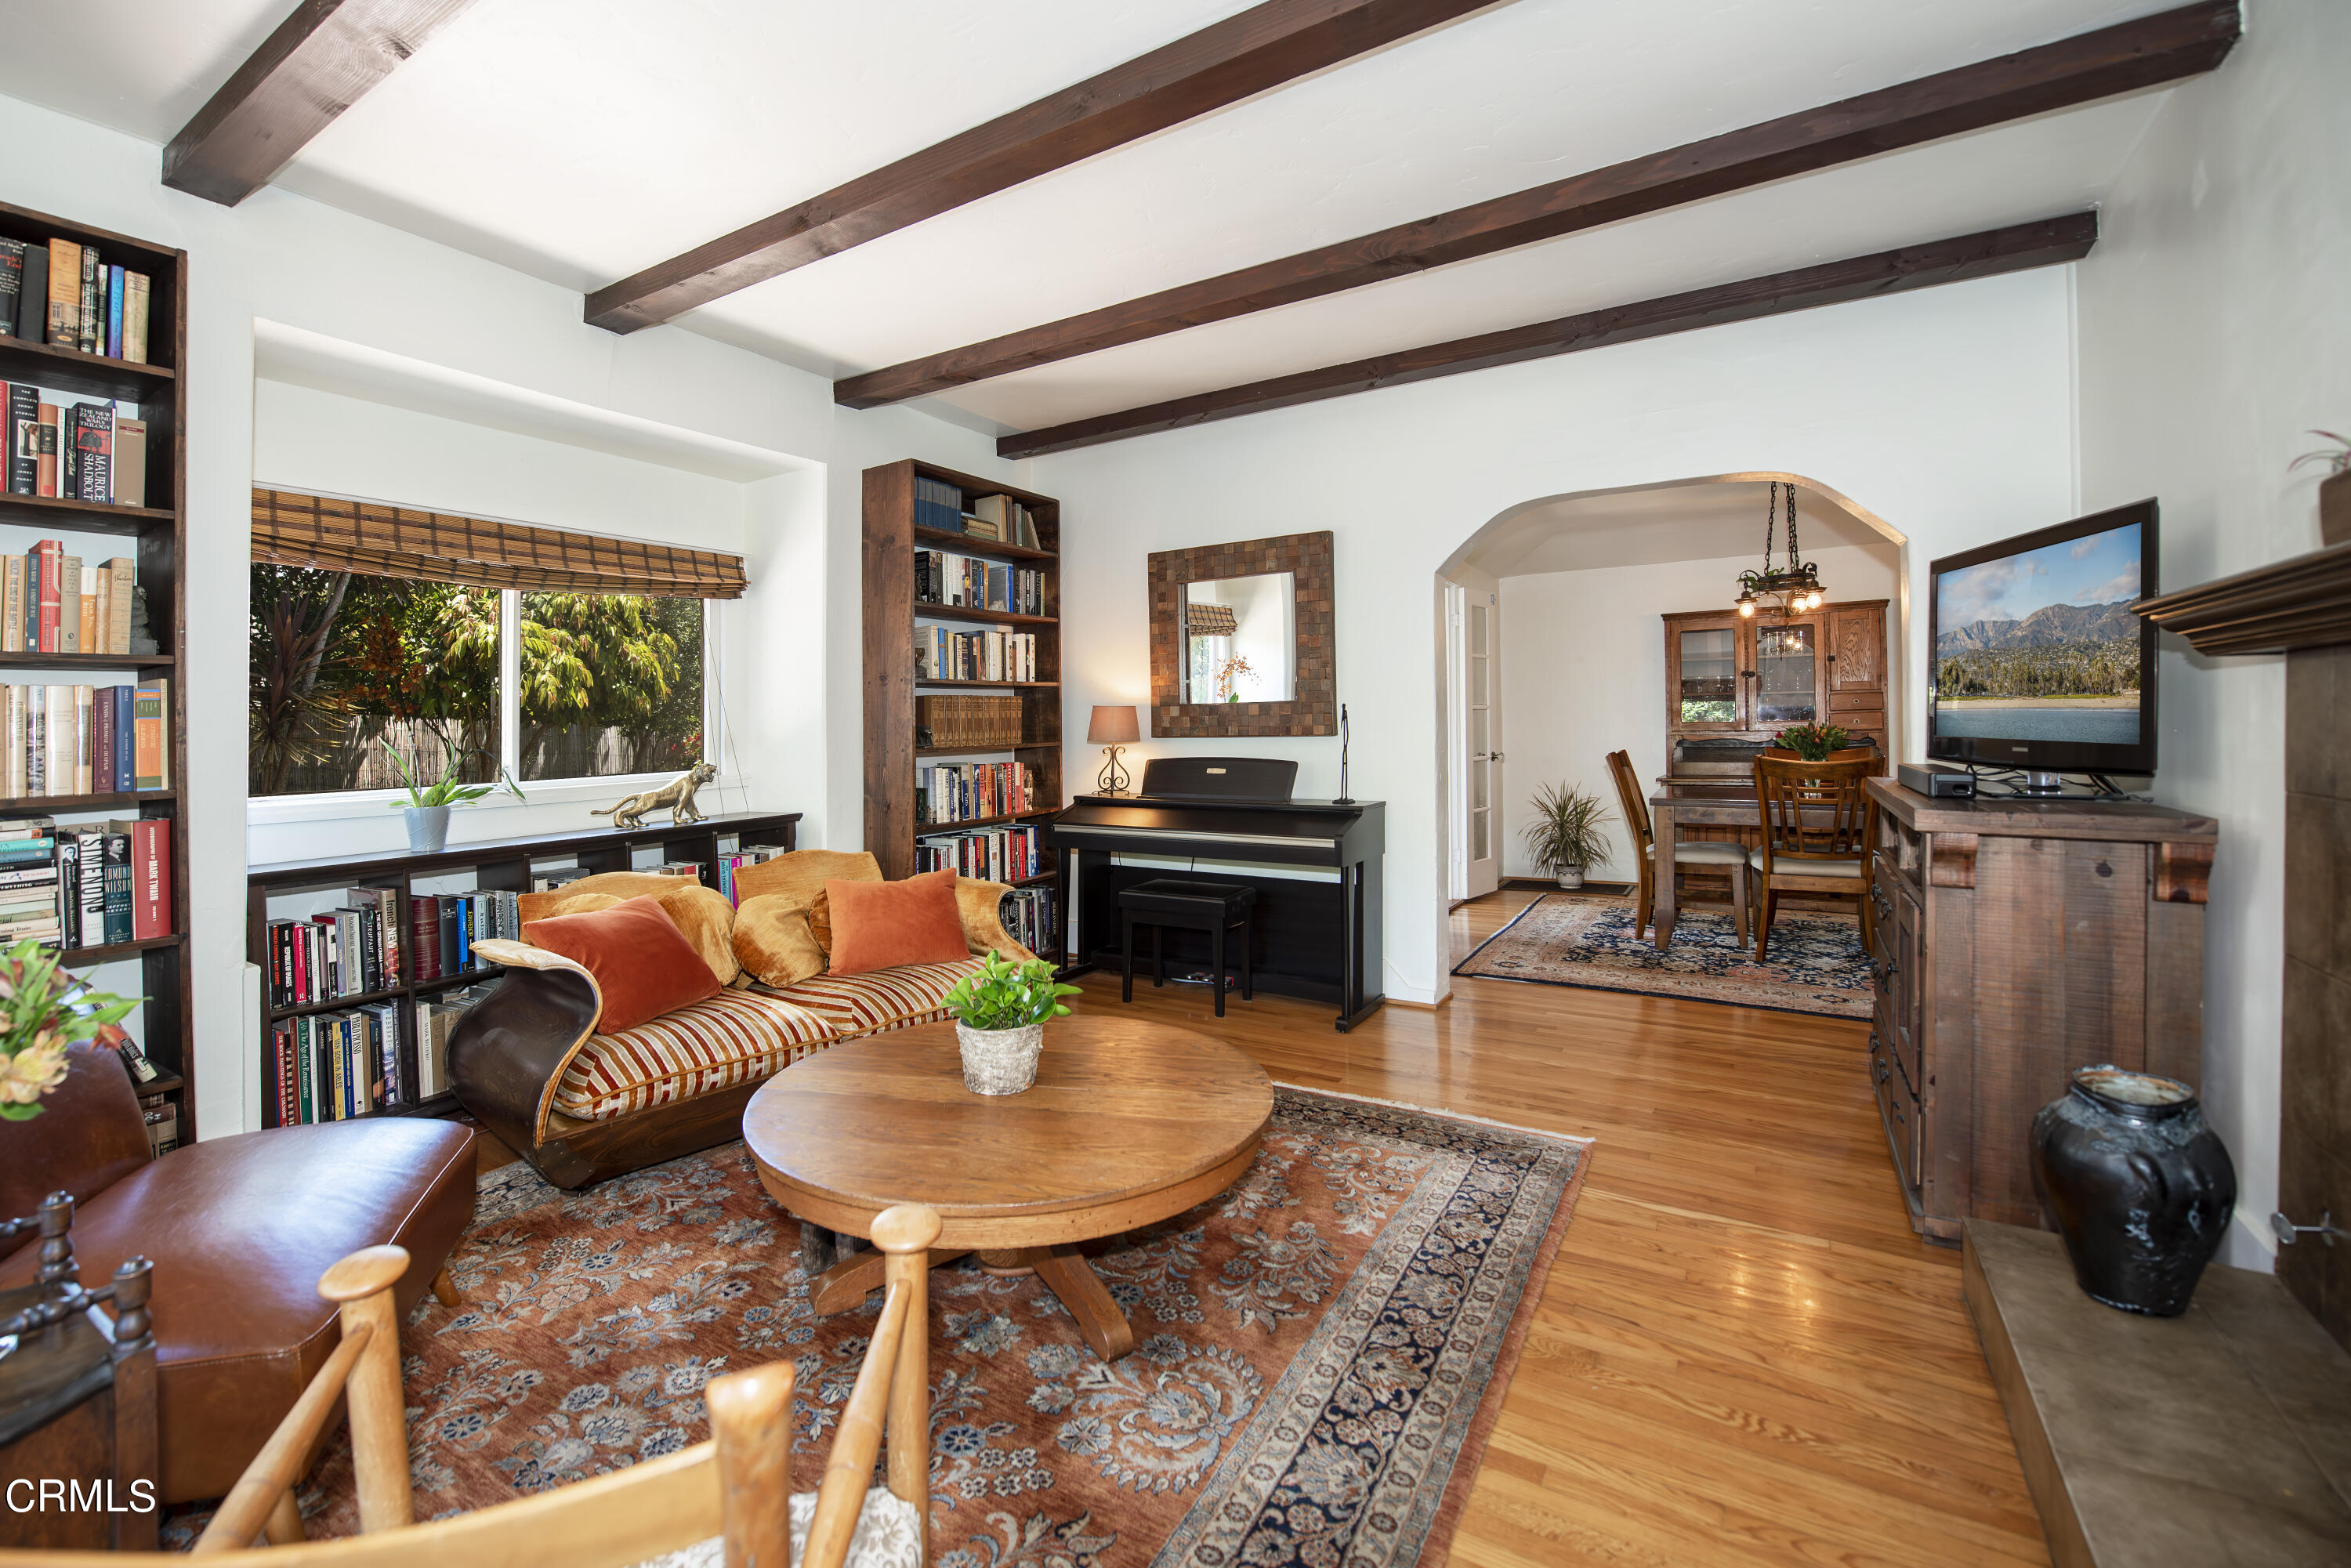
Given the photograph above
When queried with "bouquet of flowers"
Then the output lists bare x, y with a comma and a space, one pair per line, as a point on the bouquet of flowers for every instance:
1812, 742
45, 1009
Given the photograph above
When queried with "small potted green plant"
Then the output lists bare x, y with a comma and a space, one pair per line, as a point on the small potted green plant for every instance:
1566, 833
45, 1010
427, 805
1000, 1013
1812, 742
2334, 490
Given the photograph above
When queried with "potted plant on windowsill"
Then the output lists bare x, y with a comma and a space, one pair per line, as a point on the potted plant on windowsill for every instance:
2334, 490
1000, 1013
1567, 835
427, 805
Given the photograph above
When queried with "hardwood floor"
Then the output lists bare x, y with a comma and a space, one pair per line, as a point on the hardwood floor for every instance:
1743, 1354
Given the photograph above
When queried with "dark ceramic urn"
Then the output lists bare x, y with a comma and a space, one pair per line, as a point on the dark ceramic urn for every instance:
2139, 1187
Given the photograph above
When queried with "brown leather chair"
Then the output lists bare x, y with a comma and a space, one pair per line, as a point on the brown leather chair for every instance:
239, 1229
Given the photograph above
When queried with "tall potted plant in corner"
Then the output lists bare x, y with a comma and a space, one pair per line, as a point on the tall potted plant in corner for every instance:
427, 805
1565, 835
1000, 1011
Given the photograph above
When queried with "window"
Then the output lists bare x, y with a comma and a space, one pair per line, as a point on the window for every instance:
355, 678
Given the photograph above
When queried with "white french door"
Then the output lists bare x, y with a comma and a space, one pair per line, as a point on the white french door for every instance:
1481, 638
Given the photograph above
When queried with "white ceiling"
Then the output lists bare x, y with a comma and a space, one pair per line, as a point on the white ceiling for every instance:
582, 140
1703, 521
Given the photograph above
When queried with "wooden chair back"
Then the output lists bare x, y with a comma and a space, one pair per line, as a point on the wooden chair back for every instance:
737, 1486
1787, 787
1635, 804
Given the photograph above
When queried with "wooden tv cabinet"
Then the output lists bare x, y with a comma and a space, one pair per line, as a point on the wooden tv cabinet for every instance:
2017, 940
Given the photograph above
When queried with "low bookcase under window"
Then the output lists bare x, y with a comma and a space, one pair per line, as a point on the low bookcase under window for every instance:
963, 683
116, 515
392, 1004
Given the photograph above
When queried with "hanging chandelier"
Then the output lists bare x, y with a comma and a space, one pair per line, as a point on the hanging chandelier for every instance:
1791, 589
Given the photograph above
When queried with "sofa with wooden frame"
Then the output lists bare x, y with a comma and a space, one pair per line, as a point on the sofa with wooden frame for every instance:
528, 1063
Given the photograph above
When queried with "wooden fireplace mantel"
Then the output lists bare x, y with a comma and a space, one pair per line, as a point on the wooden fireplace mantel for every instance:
2301, 602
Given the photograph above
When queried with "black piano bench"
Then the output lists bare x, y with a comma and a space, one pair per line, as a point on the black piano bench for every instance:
1214, 907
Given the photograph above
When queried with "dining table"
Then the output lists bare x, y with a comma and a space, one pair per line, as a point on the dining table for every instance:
1713, 805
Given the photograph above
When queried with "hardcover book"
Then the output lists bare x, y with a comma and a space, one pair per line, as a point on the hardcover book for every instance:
65, 295
150, 878
33, 296
119, 923
135, 291
94, 451
24, 425
90, 331
129, 473
12, 283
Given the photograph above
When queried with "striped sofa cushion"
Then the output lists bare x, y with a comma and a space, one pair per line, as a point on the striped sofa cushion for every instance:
885, 999
735, 1037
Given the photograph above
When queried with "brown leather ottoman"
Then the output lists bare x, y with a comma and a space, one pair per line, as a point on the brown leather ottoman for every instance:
240, 1229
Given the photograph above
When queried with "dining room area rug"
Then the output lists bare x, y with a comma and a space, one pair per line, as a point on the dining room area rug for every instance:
1321, 1350
1816, 965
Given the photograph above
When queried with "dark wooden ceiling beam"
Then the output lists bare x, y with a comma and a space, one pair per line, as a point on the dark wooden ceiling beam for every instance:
1237, 57
1985, 255
320, 60
2130, 56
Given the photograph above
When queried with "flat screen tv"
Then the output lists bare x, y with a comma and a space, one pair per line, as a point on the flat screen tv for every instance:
2040, 664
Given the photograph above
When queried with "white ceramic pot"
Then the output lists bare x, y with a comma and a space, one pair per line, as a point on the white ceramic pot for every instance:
428, 829
1571, 876
1000, 1061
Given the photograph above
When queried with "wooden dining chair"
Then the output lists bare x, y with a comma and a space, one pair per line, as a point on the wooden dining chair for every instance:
1827, 854
729, 1501
1704, 854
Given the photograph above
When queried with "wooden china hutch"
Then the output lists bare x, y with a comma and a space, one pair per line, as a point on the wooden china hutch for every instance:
1731, 681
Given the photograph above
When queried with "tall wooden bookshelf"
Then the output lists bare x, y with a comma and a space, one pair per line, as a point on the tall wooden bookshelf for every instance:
894, 759
161, 534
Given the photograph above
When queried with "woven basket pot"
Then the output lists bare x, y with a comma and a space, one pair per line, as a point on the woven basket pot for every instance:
1000, 1061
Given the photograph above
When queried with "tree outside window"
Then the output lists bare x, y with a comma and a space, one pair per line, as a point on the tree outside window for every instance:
609, 683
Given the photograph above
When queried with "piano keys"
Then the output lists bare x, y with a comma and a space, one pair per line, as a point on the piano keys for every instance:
1315, 930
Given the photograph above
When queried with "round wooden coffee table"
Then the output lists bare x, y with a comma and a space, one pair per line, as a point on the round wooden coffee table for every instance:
1127, 1123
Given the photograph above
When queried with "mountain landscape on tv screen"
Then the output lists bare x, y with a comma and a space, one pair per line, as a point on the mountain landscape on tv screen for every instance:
2047, 627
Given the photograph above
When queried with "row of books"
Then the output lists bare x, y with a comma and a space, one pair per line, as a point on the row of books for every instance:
1030, 917
359, 947
444, 927
67, 296
90, 885
944, 579
997, 517
987, 854
51, 602
89, 450
332, 1066
84, 740
972, 791
943, 655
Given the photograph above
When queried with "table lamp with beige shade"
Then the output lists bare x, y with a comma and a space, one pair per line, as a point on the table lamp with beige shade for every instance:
1112, 728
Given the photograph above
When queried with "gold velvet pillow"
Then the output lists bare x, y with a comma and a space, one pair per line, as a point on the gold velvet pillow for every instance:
706, 921
773, 942
613, 883
800, 875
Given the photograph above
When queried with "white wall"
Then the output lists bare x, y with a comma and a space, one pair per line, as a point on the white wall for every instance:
2215, 331
281, 258
1583, 674
1946, 413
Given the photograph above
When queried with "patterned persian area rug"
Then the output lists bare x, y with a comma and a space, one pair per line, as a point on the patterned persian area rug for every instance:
1320, 1352
1816, 964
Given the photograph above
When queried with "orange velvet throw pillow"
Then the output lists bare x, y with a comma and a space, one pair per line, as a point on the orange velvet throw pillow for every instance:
643, 963
882, 925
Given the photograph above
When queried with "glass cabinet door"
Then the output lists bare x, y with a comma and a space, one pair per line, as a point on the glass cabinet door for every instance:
1787, 665
1707, 665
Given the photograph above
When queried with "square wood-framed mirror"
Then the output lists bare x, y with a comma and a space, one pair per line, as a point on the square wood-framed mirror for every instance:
1241, 639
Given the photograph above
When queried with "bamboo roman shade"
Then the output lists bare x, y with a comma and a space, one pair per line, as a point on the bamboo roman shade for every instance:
291, 528
1210, 620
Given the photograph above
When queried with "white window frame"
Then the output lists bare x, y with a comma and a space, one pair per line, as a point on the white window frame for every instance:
332, 805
